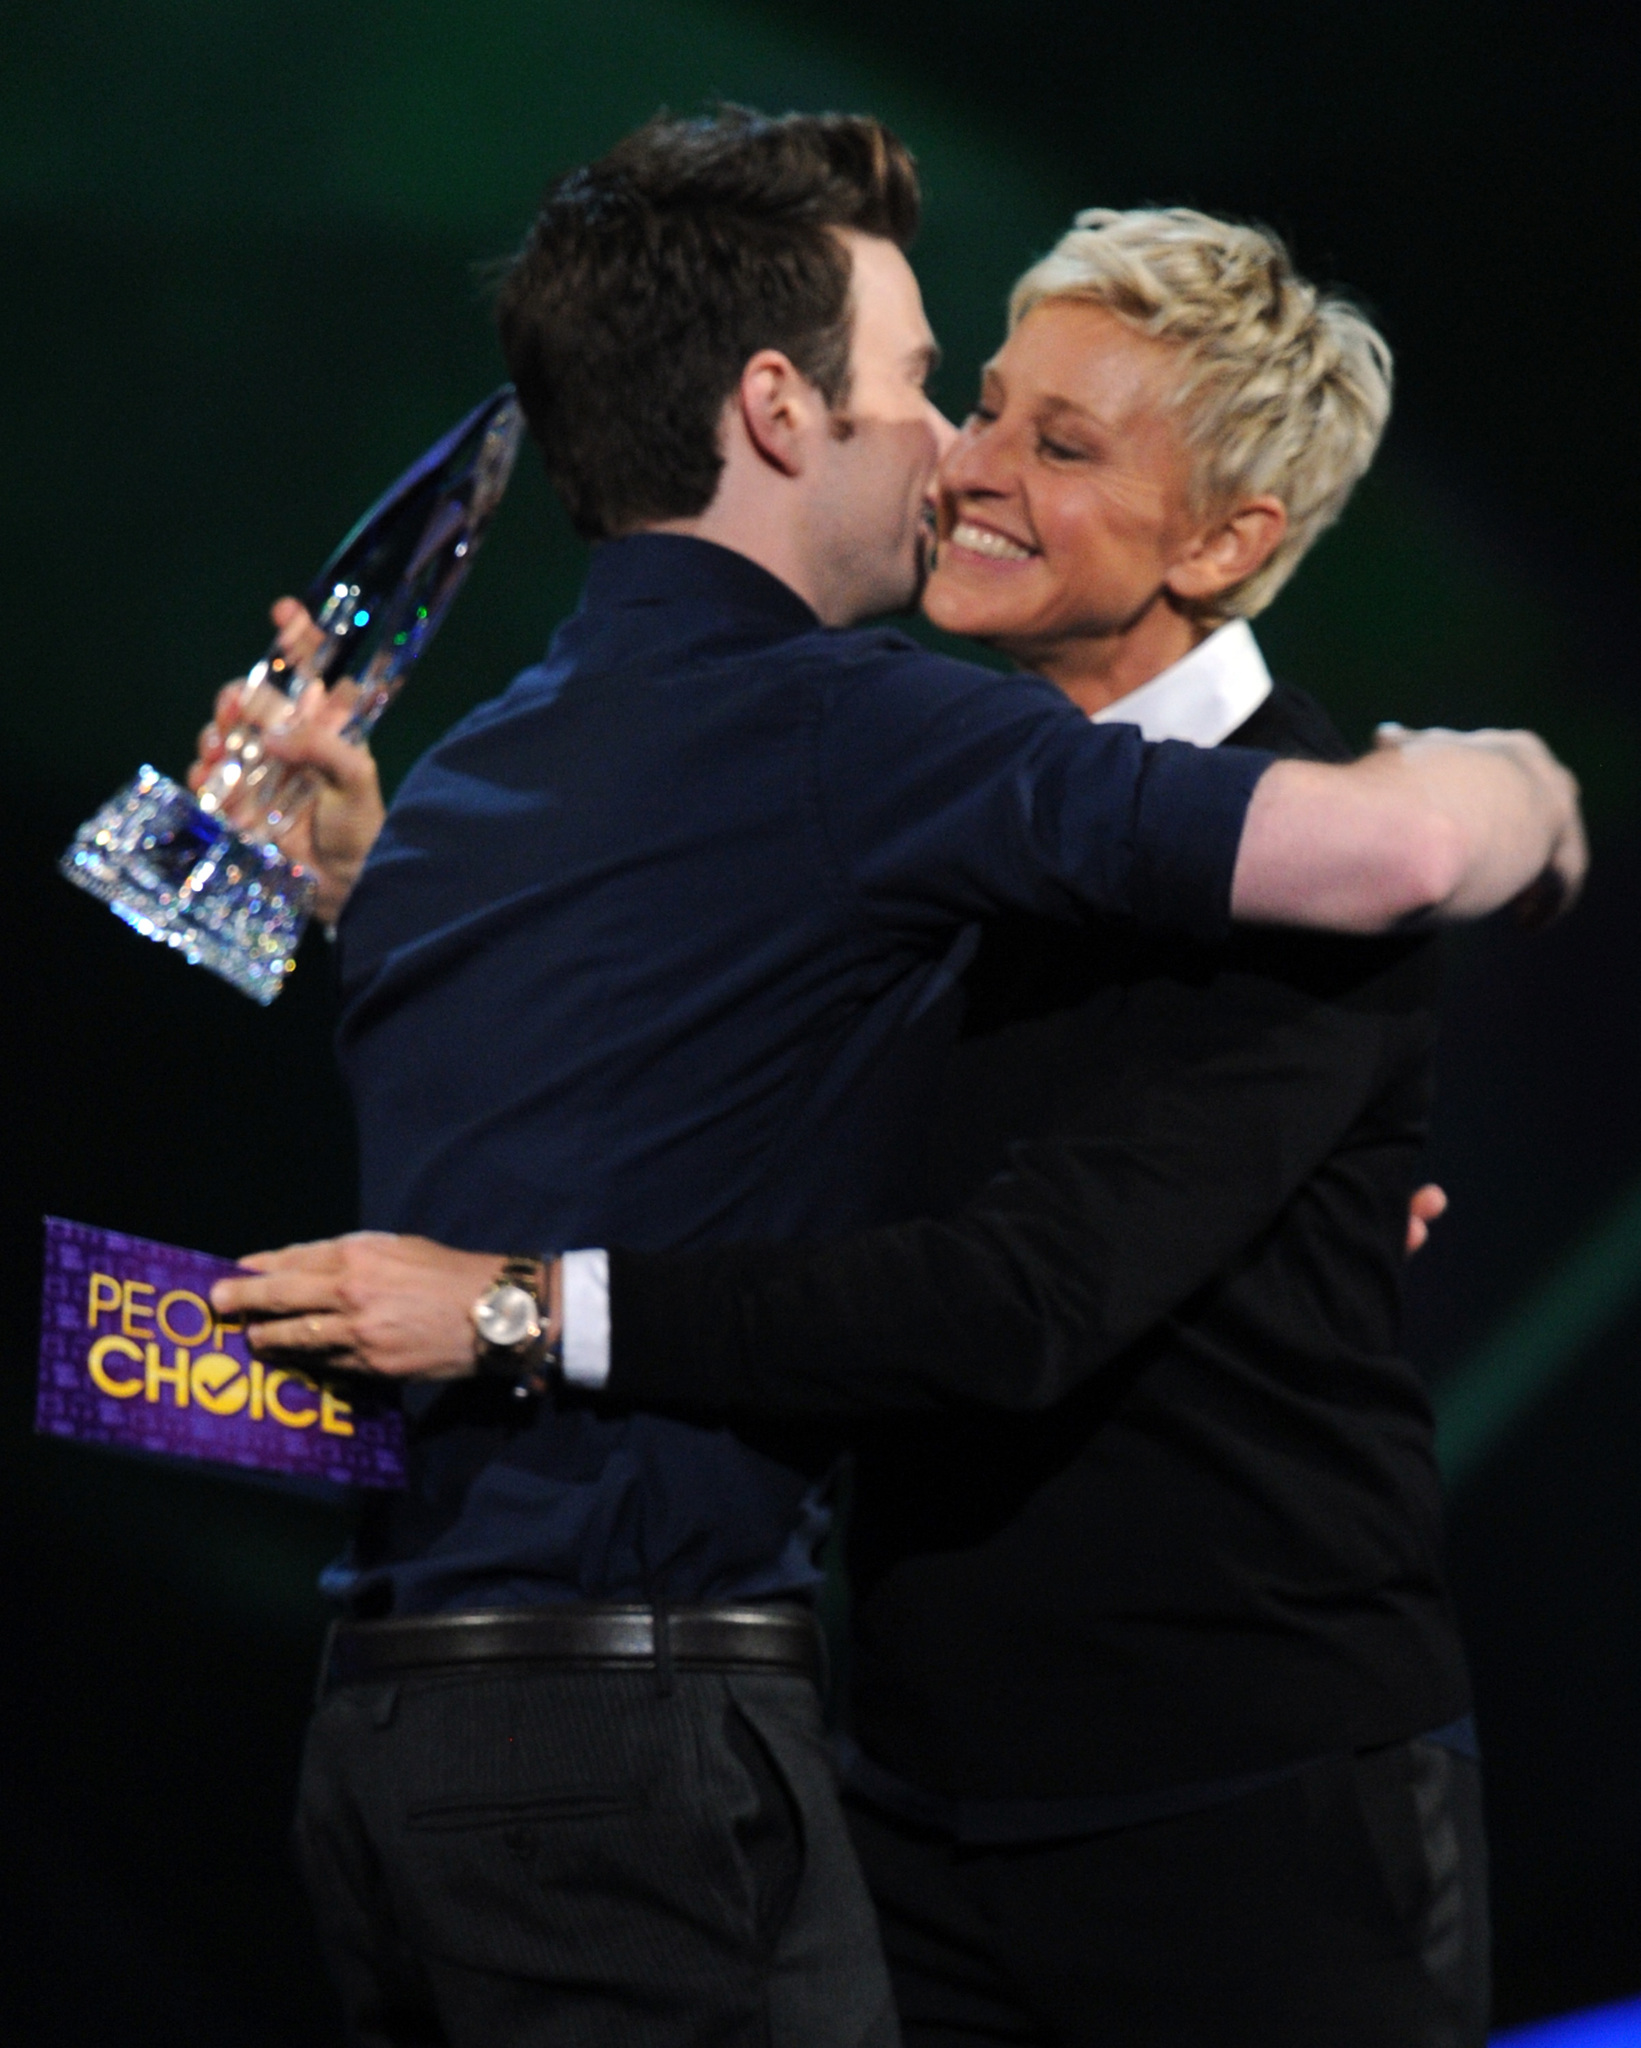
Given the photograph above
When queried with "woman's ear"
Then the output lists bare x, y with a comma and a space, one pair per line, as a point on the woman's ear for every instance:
1230, 551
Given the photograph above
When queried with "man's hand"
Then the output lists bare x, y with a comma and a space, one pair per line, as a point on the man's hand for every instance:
1431, 825
332, 835
372, 1301
1428, 1205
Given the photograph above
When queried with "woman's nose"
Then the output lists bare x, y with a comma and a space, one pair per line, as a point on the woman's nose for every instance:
973, 461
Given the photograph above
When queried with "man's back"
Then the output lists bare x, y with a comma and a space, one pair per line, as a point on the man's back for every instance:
660, 949
600, 952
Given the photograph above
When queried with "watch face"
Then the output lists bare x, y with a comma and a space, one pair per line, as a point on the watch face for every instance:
507, 1317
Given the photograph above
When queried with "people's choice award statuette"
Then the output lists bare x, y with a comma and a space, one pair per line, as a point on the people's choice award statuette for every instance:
205, 873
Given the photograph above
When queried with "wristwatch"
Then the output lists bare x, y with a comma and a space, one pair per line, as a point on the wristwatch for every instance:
513, 1326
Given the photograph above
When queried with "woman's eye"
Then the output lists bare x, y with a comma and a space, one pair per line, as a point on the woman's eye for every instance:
1060, 451
981, 415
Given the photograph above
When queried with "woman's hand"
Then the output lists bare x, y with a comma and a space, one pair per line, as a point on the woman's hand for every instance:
371, 1301
1427, 1205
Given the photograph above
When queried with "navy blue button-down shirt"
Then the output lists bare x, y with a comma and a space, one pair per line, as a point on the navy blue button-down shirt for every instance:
661, 949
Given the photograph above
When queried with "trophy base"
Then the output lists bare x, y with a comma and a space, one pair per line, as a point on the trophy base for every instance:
187, 880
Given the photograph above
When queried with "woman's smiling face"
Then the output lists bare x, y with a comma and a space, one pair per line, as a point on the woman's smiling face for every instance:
1064, 505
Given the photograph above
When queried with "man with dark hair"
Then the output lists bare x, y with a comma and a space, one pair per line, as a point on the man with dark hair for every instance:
660, 949
724, 239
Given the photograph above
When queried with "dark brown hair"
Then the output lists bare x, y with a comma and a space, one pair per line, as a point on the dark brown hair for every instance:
651, 276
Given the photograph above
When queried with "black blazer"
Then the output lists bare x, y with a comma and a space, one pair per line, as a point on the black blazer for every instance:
1145, 1493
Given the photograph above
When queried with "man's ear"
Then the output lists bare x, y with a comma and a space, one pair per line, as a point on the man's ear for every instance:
778, 409
1231, 550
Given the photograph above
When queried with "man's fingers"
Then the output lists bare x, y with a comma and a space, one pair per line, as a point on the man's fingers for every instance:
208, 746
332, 711
345, 764
299, 637
314, 740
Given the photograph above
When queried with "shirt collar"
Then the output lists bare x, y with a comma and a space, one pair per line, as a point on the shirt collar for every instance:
663, 568
1204, 696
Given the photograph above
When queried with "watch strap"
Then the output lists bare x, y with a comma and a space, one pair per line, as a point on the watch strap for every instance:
531, 1366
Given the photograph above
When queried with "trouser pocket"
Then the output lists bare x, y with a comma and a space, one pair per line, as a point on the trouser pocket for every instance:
767, 1828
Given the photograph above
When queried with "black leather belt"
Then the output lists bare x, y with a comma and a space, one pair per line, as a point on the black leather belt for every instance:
592, 1638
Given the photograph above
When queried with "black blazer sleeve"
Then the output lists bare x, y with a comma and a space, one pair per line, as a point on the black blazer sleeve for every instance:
1217, 1087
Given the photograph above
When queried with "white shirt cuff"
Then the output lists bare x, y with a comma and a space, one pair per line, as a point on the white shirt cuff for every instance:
585, 1277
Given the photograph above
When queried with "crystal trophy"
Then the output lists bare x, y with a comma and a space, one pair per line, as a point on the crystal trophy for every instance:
204, 872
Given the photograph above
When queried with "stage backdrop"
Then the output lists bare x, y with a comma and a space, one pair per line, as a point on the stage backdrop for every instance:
239, 244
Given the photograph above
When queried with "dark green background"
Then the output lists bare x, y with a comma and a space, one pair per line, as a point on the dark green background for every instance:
237, 243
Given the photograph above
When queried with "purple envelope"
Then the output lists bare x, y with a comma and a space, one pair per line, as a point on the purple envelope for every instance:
132, 1355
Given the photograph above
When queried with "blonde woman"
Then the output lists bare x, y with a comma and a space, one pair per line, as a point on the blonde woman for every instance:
1159, 1726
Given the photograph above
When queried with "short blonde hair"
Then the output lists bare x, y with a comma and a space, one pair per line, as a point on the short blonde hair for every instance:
1284, 389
